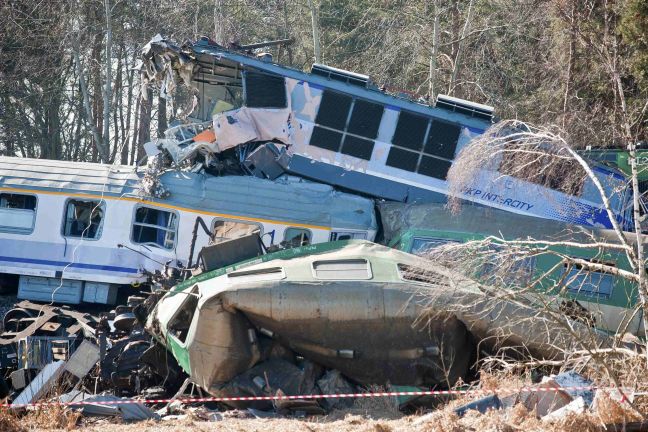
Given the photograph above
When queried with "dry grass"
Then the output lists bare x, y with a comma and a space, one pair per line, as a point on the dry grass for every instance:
370, 415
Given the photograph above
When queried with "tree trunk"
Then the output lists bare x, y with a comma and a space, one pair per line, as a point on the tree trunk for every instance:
435, 53
86, 97
462, 42
162, 125
316, 35
144, 134
133, 150
107, 92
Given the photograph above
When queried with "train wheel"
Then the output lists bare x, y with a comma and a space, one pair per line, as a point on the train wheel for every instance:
12, 317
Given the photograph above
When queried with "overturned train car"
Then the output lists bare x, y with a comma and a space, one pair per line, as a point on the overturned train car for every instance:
75, 232
376, 314
338, 128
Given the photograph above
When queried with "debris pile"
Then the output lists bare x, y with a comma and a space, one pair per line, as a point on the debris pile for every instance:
253, 282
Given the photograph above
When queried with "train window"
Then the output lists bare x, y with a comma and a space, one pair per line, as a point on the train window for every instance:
83, 219
365, 118
580, 280
17, 213
333, 110
348, 235
264, 91
410, 130
358, 147
295, 237
357, 136
442, 139
223, 230
433, 167
181, 322
349, 269
326, 138
439, 149
154, 227
403, 159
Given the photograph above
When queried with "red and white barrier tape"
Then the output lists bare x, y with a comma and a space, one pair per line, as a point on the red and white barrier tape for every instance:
316, 396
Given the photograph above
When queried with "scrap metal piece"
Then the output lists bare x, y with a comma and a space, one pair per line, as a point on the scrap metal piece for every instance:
18, 379
83, 360
334, 383
264, 161
129, 411
41, 384
230, 252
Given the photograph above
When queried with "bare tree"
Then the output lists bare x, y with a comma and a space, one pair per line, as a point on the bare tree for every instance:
542, 156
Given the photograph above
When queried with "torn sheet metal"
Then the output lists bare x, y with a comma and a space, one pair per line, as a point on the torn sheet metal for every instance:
265, 161
41, 384
244, 125
129, 411
83, 360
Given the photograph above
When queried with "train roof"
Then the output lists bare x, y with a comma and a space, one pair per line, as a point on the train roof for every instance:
287, 198
217, 65
429, 219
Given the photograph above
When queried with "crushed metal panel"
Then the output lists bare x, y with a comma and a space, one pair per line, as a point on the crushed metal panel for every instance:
263, 162
83, 360
243, 125
18, 379
129, 411
231, 251
307, 202
39, 386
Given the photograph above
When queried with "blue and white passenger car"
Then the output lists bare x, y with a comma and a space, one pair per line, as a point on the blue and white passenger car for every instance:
76, 231
341, 129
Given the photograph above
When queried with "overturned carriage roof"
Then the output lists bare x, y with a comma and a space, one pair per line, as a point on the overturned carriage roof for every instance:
287, 198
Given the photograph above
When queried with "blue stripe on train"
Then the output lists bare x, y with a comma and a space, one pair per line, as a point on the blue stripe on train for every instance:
64, 264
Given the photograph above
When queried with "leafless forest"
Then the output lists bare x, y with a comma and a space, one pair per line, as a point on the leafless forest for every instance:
70, 89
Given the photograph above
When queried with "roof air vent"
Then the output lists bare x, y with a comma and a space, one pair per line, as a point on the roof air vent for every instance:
465, 107
340, 75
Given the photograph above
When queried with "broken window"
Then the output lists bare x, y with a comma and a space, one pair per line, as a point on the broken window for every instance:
83, 219
423, 145
264, 90
17, 213
154, 227
223, 230
181, 322
580, 280
346, 125
295, 237
344, 269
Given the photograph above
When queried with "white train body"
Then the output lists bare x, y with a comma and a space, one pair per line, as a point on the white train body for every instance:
86, 225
